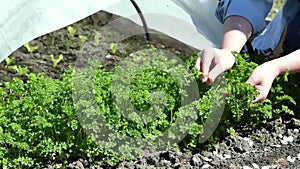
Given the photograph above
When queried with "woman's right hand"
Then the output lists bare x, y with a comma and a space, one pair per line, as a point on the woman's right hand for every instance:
212, 62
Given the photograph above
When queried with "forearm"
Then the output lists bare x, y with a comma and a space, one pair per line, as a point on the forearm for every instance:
290, 62
237, 31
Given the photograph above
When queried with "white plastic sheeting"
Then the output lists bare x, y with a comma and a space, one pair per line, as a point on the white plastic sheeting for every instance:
22, 21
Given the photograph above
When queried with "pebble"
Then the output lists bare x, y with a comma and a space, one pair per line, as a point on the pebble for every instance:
222, 157
207, 159
206, 166
108, 56
246, 167
255, 166
249, 141
291, 159
286, 140
298, 156
196, 161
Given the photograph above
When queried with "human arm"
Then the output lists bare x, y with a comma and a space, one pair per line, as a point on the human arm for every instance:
263, 76
241, 19
237, 31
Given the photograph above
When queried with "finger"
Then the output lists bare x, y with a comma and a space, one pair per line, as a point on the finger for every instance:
206, 61
215, 72
197, 65
207, 58
262, 96
203, 77
251, 81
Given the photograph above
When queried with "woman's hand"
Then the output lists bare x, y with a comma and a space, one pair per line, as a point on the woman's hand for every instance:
212, 62
262, 78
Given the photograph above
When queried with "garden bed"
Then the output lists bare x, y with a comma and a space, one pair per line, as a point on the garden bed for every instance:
273, 144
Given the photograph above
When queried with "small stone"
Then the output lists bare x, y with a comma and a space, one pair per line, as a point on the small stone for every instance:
291, 159
108, 56
177, 165
298, 156
246, 138
71, 166
284, 142
79, 165
276, 145
290, 139
222, 157
266, 167
207, 159
205, 166
255, 166
166, 162
246, 167
196, 161
226, 156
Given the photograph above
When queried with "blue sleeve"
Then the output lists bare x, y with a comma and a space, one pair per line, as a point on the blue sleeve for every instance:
255, 11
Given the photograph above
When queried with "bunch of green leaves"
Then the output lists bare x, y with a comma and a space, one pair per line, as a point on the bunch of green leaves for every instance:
141, 99
89, 112
240, 103
38, 124
239, 109
55, 61
30, 48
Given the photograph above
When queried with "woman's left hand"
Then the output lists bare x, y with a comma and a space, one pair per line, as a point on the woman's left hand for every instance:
262, 78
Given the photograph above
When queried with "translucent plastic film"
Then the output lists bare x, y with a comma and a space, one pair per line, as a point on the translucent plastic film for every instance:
22, 21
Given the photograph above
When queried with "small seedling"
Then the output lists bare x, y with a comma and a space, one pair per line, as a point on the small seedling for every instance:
21, 71
71, 31
30, 48
231, 131
113, 48
56, 61
9, 60
82, 38
97, 38
71, 35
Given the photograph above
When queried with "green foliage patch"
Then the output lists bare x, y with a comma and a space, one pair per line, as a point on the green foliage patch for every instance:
39, 122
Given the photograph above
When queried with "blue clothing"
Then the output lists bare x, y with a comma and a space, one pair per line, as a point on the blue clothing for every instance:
255, 11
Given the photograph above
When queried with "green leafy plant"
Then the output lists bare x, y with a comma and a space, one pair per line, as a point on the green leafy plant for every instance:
21, 71
113, 48
97, 38
82, 38
30, 48
42, 122
9, 60
71, 31
56, 61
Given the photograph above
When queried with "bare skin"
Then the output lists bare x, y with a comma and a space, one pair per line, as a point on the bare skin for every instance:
212, 61
263, 81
